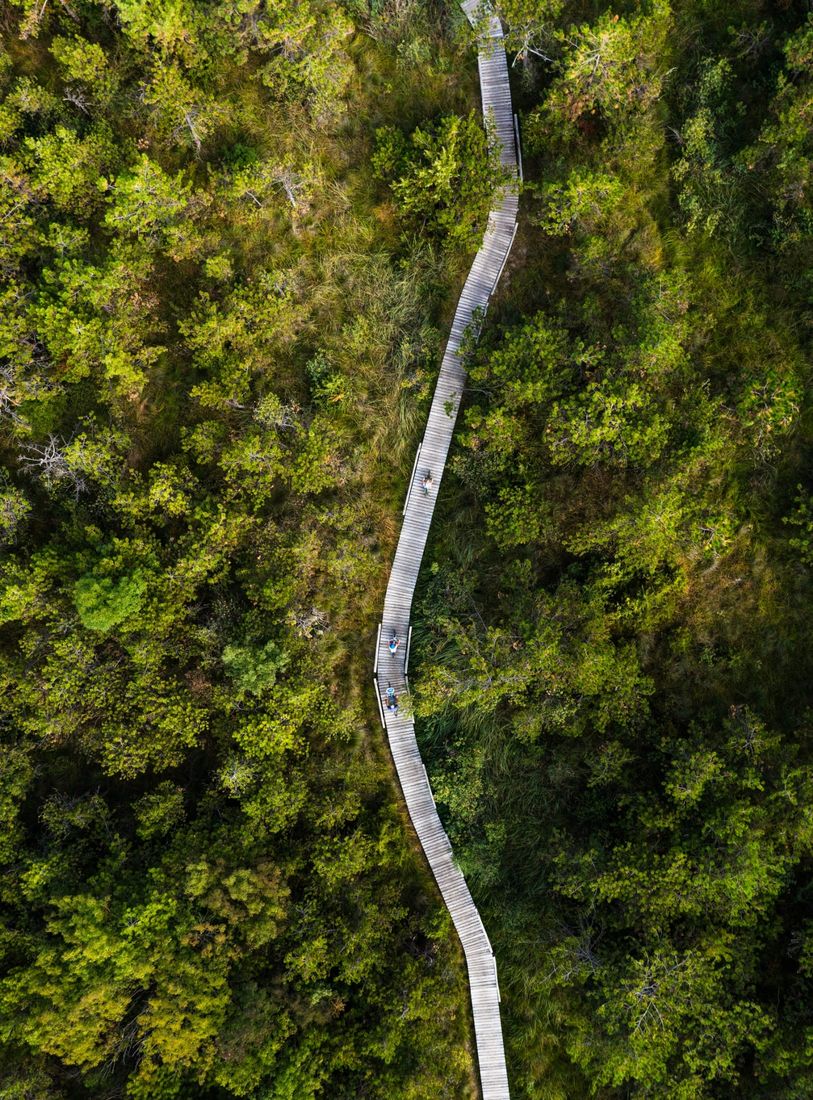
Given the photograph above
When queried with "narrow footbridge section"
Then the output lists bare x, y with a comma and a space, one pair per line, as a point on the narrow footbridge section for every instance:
391, 669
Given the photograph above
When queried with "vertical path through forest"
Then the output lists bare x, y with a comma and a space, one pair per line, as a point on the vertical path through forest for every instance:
391, 669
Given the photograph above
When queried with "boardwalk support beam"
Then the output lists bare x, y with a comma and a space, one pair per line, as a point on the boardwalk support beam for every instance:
519, 148
412, 478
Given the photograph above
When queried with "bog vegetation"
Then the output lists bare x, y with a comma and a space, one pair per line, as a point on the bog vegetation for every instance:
218, 329
230, 236
615, 644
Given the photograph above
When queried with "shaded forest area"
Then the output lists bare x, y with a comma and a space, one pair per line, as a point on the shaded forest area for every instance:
613, 656
227, 257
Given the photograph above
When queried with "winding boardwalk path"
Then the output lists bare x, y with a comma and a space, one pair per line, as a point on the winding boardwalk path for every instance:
391, 669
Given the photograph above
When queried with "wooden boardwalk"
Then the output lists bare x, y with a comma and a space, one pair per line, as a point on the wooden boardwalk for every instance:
418, 511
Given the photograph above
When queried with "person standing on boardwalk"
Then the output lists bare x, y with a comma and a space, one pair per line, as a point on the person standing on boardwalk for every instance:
427, 483
392, 700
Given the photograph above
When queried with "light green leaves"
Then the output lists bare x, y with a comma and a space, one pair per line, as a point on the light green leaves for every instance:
254, 670
103, 602
442, 177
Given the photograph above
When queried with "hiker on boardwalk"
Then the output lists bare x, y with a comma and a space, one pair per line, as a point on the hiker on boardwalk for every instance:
392, 699
394, 643
427, 483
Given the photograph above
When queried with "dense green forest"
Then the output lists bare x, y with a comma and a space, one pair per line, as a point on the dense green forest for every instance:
227, 267
231, 236
613, 651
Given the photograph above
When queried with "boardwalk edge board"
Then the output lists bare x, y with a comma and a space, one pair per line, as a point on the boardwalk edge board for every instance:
390, 668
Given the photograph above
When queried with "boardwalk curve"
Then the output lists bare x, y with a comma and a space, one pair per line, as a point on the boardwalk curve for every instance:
392, 669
